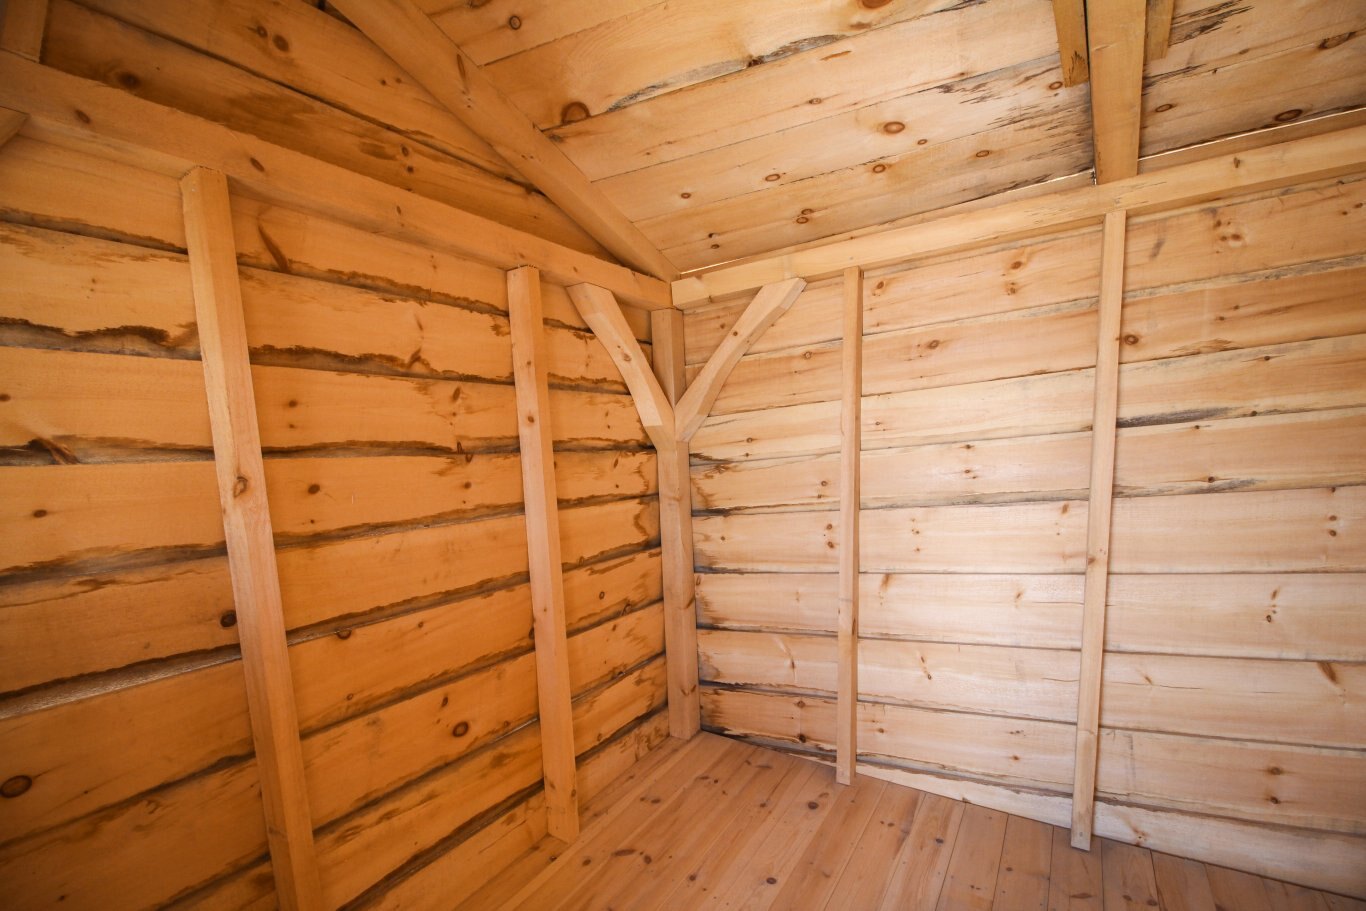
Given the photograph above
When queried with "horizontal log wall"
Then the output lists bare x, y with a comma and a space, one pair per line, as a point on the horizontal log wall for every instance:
383, 380
1235, 641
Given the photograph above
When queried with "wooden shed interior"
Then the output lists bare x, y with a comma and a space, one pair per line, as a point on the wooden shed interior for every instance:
628, 454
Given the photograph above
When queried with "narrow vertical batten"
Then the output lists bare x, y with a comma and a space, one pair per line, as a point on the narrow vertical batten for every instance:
851, 392
1098, 528
250, 542
543, 551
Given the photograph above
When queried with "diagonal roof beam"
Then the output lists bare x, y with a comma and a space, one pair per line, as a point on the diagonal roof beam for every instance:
418, 45
1069, 17
1116, 36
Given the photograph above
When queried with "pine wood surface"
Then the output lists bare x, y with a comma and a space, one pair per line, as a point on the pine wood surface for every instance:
719, 824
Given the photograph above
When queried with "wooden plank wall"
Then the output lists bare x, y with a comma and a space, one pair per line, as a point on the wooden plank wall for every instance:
384, 387
1231, 722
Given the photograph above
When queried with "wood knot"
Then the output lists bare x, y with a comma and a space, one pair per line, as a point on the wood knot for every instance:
281, 43
344, 634
983, 153
514, 22
1287, 116
240, 486
461, 729
573, 112
892, 127
228, 619
129, 81
314, 488
16, 786
879, 168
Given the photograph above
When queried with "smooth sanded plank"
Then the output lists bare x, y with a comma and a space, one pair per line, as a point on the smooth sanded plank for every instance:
971, 881
851, 399
669, 854
1182, 884
917, 874
1075, 882
22, 23
864, 881
1129, 881
611, 850
1235, 889
606, 824
251, 548
1026, 865
676, 532
1289, 897
1098, 526
813, 881
544, 551
1069, 17
759, 877
1115, 35
731, 855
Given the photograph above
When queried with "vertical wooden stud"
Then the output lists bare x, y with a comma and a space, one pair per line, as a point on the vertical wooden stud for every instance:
676, 540
543, 552
1098, 528
22, 24
851, 393
250, 542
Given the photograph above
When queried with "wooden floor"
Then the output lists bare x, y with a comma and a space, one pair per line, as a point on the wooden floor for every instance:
717, 823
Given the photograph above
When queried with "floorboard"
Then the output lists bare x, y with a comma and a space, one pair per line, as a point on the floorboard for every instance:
727, 826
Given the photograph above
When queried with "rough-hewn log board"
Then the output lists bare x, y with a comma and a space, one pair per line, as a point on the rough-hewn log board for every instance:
1283, 164
251, 547
1098, 529
544, 560
415, 42
84, 114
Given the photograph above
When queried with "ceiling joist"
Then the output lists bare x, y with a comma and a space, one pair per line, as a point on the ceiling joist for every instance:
1116, 39
1160, 14
416, 44
1070, 18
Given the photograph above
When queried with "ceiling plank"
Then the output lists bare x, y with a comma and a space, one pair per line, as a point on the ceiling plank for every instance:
407, 35
1277, 165
1115, 34
1160, 14
1070, 18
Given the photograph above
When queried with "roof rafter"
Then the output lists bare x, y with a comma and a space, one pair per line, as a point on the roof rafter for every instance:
1116, 37
419, 46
